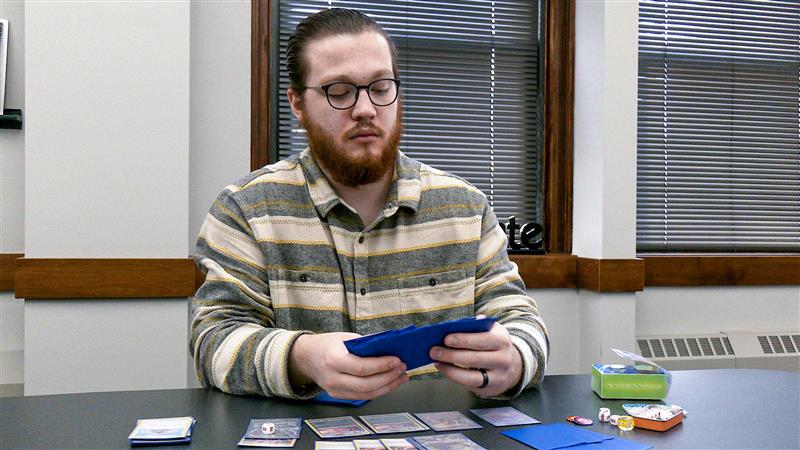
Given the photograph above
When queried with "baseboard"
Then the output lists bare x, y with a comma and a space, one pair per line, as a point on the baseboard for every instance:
12, 390
12, 367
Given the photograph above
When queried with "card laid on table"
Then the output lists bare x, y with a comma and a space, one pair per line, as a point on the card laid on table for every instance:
451, 441
273, 428
448, 421
503, 416
368, 444
336, 427
334, 445
412, 344
165, 431
393, 423
398, 444
267, 443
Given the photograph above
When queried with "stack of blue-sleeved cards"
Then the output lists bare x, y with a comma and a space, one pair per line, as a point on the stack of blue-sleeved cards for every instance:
166, 431
412, 344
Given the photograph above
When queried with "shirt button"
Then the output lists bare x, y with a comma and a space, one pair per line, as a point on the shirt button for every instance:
361, 240
432, 282
363, 291
303, 278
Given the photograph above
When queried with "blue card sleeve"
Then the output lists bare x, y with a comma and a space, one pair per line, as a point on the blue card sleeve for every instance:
412, 344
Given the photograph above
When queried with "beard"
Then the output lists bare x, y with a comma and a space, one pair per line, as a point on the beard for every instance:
354, 168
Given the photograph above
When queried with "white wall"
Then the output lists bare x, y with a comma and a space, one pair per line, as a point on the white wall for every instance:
604, 206
670, 311
220, 107
106, 176
12, 194
220, 103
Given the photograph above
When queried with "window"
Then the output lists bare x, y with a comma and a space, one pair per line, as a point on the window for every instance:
719, 126
471, 97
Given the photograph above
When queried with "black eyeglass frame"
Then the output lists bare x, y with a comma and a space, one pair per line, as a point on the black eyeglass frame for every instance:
358, 87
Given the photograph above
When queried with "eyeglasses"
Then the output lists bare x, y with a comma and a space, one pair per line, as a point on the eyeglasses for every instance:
342, 95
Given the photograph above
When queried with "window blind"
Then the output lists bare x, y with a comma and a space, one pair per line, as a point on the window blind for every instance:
718, 126
470, 77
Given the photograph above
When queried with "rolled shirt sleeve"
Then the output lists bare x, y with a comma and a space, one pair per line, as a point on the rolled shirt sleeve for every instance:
235, 343
500, 292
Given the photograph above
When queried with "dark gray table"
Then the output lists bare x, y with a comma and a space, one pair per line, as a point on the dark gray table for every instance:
728, 408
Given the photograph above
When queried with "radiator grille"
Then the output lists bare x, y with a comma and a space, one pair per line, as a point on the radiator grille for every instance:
684, 347
780, 343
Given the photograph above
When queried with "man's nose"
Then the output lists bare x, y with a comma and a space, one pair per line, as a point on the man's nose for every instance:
363, 106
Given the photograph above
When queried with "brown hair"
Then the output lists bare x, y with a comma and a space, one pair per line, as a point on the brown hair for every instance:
328, 22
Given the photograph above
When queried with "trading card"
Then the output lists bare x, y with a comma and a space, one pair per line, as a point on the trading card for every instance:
448, 420
327, 445
368, 444
284, 429
503, 416
166, 428
398, 444
393, 423
452, 441
273, 443
336, 427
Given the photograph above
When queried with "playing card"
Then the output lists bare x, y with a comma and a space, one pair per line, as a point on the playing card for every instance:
503, 416
335, 427
284, 429
398, 444
393, 423
323, 445
368, 444
273, 443
452, 441
447, 420
166, 428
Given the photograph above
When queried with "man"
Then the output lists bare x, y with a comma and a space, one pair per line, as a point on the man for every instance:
352, 237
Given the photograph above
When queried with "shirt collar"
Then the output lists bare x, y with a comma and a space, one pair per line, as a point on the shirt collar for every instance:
404, 192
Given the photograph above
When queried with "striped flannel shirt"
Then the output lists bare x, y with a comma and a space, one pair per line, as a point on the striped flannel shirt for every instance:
284, 255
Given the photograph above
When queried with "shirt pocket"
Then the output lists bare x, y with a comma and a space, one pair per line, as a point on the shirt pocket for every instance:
307, 289
439, 296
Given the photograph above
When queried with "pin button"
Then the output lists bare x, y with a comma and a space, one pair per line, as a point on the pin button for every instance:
303, 278
363, 291
361, 240
432, 282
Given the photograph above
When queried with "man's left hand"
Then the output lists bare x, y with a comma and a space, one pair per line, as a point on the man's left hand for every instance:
464, 354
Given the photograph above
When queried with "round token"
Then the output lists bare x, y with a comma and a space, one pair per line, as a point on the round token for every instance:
578, 420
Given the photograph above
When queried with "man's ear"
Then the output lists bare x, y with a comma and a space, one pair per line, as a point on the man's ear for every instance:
296, 102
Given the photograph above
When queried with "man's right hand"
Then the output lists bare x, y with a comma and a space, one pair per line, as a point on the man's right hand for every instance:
324, 360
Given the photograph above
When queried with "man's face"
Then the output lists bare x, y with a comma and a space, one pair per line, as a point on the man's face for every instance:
354, 146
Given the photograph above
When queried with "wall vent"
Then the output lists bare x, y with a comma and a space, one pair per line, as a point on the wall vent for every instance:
783, 343
685, 347
742, 349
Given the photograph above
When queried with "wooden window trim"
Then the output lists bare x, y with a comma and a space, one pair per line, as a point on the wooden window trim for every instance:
557, 129
260, 17
164, 278
722, 270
